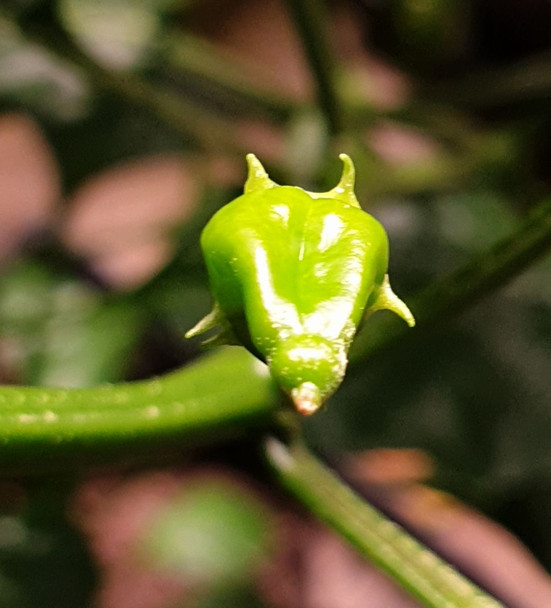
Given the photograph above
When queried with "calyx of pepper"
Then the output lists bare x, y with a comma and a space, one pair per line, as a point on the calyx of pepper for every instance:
258, 180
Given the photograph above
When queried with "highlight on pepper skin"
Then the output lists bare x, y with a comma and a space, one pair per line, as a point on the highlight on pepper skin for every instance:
293, 274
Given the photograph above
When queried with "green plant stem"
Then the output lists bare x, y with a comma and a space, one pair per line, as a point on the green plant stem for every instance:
218, 396
418, 570
468, 284
309, 17
523, 81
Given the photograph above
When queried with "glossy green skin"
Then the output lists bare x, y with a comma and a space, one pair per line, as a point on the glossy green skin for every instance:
293, 275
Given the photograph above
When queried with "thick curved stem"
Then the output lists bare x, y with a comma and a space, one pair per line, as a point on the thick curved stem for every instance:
220, 395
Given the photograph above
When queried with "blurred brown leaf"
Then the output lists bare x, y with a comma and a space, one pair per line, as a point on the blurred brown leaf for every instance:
261, 36
121, 219
113, 512
398, 145
477, 545
29, 180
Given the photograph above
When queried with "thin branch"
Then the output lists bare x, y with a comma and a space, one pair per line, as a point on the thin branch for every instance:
522, 81
43, 428
418, 570
311, 23
469, 283
197, 57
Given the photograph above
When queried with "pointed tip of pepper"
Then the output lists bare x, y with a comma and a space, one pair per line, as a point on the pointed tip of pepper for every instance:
344, 190
306, 398
348, 176
257, 178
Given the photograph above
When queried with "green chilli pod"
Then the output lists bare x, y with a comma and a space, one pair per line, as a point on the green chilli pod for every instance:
293, 274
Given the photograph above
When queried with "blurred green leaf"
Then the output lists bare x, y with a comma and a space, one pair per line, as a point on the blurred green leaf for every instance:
119, 32
212, 533
61, 332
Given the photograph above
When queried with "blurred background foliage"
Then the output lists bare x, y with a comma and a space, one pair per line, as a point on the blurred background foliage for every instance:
123, 126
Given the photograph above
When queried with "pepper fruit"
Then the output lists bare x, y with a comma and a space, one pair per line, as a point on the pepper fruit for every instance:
293, 274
